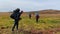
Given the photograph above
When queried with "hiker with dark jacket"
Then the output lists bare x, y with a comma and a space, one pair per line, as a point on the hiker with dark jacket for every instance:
37, 17
29, 15
16, 16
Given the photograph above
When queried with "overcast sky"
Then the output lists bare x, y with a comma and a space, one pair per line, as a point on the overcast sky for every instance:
29, 5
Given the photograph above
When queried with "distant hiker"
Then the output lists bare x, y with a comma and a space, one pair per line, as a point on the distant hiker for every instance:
16, 16
37, 17
29, 15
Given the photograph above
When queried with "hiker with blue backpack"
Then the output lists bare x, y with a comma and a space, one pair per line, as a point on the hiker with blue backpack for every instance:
16, 16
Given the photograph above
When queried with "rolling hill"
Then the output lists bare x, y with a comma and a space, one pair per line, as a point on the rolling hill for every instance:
48, 11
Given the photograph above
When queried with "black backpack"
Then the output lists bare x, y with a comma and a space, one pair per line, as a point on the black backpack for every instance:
13, 16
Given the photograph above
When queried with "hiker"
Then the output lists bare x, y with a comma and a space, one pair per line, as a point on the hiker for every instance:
16, 16
29, 15
37, 17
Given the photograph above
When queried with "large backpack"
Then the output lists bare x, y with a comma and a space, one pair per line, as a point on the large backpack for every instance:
13, 16
37, 16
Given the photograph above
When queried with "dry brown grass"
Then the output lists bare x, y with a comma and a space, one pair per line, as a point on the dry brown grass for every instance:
6, 29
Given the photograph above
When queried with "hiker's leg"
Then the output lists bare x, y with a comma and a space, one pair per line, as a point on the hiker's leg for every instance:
30, 16
14, 26
36, 19
17, 25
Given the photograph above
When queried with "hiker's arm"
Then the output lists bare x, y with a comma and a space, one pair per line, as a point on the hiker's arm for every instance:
21, 13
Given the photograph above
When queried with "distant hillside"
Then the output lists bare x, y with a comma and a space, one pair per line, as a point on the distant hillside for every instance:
49, 11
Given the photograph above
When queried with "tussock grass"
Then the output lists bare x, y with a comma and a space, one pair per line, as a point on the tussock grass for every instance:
47, 22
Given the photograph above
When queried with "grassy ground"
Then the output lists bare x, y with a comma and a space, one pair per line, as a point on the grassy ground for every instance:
46, 23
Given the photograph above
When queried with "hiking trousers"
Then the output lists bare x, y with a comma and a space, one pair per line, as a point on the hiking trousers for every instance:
15, 25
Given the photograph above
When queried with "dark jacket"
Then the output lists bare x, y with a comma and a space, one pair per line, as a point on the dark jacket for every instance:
18, 14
